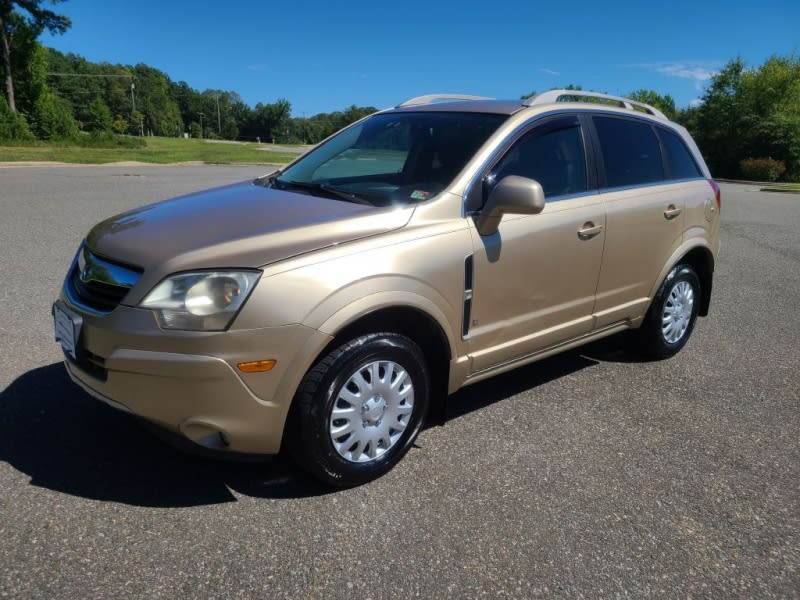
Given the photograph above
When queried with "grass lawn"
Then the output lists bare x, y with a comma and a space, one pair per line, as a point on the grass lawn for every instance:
782, 187
158, 150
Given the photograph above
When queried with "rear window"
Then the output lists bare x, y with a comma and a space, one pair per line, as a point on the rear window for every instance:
631, 152
680, 163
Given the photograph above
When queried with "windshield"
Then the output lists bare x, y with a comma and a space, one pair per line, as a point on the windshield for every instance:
392, 158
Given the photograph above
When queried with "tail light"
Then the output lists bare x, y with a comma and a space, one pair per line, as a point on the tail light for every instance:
717, 193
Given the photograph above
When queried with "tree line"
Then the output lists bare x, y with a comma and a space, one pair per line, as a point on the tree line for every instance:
59, 95
51, 95
747, 122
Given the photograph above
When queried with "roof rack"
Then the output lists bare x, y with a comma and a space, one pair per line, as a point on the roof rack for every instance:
556, 95
431, 98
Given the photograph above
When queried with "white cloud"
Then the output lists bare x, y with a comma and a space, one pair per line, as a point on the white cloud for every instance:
696, 102
549, 72
698, 71
687, 71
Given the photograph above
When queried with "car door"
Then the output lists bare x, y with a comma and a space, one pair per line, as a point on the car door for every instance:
644, 219
533, 282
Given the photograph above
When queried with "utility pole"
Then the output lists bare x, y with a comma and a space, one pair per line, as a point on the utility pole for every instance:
201, 125
219, 121
133, 97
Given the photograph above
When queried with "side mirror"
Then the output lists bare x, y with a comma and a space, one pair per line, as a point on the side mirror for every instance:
514, 195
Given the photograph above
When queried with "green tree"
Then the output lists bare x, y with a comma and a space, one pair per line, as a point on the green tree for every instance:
770, 96
750, 113
136, 123
28, 66
271, 121
160, 110
13, 126
34, 18
718, 121
97, 116
52, 118
665, 103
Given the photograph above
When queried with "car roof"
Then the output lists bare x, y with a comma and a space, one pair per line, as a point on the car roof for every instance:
500, 107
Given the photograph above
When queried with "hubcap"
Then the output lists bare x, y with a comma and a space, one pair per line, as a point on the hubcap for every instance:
677, 312
371, 411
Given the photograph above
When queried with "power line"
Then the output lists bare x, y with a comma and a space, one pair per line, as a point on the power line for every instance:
88, 75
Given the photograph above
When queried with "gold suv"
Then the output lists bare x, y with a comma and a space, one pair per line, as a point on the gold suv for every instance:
328, 308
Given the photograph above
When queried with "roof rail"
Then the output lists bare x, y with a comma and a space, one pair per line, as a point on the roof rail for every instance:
556, 95
431, 98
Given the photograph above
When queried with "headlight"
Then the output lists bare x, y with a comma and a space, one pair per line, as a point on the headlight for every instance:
201, 301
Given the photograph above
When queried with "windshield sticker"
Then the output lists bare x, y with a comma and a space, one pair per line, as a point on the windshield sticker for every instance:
420, 195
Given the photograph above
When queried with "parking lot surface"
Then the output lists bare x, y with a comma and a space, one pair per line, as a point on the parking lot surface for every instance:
586, 475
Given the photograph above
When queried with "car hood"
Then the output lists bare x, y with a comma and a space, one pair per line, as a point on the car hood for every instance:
241, 225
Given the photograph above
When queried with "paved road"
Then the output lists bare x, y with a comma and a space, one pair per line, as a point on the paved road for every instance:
586, 475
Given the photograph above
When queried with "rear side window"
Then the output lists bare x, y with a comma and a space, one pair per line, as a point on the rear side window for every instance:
680, 163
631, 152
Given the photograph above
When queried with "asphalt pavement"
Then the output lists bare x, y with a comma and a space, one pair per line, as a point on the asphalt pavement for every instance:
591, 474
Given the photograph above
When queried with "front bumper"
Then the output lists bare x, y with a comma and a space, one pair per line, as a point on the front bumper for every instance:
187, 382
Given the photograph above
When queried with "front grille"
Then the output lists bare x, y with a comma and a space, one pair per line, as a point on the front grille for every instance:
99, 284
99, 296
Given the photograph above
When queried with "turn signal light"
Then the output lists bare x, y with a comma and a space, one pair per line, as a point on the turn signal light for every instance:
257, 366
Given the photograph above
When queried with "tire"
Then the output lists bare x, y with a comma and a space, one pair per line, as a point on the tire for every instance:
670, 320
359, 409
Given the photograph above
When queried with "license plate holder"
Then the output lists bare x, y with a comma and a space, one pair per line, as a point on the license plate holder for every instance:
67, 328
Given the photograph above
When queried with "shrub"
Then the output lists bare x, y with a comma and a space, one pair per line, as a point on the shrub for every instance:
119, 125
13, 126
52, 118
762, 169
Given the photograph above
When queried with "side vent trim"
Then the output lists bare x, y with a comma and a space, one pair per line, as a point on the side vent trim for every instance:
468, 267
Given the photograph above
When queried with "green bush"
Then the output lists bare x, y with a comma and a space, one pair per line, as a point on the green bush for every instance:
13, 126
52, 118
762, 169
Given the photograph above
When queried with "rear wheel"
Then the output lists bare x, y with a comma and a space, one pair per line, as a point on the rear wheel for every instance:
672, 315
359, 409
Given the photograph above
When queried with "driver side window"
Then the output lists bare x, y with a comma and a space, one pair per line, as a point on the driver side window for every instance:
552, 154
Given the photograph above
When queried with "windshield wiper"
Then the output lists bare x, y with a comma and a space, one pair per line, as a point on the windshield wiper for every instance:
326, 189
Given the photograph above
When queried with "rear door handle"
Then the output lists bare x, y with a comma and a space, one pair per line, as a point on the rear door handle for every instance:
671, 212
589, 230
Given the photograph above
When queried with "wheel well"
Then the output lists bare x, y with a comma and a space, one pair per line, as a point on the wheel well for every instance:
424, 331
702, 262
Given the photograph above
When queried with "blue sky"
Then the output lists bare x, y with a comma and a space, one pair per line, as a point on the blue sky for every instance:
325, 56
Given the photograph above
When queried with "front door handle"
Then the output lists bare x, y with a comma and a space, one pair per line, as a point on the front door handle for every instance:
589, 230
671, 212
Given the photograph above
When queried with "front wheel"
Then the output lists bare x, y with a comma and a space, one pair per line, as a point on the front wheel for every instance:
672, 315
359, 409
